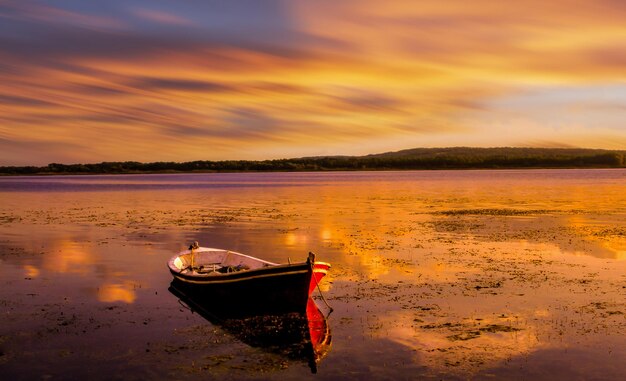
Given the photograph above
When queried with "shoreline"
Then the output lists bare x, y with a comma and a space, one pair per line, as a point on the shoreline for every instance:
454, 169
452, 158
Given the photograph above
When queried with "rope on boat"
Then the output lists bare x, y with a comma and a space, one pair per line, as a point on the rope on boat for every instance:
312, 264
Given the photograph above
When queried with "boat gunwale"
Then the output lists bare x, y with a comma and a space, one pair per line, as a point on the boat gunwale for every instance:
286, 269
269, 270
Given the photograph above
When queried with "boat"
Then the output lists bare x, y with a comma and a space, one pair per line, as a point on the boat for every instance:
297, 336
233, 279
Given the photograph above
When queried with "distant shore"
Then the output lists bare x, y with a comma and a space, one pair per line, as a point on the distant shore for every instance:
412, 159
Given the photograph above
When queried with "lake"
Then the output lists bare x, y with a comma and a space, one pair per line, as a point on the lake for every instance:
499, 274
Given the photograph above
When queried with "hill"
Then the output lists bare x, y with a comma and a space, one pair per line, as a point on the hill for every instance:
417, 158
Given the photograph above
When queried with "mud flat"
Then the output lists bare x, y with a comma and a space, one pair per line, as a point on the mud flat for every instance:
469, 275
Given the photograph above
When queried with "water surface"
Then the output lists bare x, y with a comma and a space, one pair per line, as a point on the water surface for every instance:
436, 274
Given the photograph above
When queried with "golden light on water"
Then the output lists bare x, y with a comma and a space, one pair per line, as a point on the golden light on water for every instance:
458, 273
607, 242
66, 256
435, 342
117, 292
31, 271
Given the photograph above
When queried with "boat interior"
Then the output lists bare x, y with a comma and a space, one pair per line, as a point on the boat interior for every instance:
216, 261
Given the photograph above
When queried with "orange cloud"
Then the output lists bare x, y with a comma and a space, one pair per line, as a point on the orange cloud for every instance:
129, 83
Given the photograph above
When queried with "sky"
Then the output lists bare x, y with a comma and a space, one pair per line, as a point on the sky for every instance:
156, 80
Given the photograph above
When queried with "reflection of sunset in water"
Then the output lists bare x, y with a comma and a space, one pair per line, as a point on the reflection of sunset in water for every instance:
295, 238
31, 271
467, 271
66, 256
463, 343
326, 234
608, 238
497, 301
117, 292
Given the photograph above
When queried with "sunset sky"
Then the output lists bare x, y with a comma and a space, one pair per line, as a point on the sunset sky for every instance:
156, 80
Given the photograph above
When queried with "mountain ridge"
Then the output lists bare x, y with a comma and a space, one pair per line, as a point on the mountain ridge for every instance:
407, 159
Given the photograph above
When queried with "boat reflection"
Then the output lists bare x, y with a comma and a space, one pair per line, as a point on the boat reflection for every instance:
296, 336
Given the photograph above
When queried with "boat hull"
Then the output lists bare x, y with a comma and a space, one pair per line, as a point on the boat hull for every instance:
271, 290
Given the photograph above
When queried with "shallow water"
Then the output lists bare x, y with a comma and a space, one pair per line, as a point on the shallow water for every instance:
436, 274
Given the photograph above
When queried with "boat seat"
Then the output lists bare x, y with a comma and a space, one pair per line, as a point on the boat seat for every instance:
207, 269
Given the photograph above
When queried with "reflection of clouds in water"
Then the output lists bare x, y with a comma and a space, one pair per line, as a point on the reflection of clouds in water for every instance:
326, 234
579, 234
66, 256
463, 344
31, 271
526, 296
117, 292
391, 247
296, 239
608, 238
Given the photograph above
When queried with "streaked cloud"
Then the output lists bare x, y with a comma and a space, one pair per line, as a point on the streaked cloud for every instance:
162, 80
185, 85
161, 17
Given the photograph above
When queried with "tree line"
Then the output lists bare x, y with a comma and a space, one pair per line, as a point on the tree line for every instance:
422, 158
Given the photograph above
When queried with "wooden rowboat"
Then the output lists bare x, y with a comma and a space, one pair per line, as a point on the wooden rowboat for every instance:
234, 279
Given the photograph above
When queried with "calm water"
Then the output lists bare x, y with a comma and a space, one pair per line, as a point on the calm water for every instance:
436, 274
